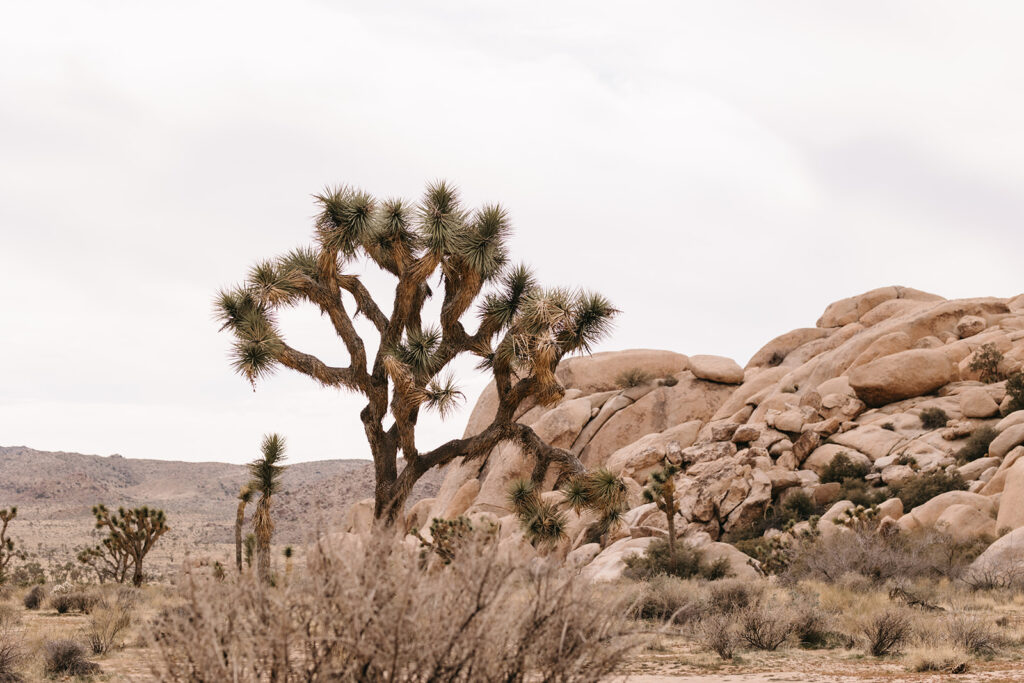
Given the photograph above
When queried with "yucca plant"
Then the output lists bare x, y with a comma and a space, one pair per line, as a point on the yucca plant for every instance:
7, 551
244, 497
523, 329
662, 492
544, 523
266, 472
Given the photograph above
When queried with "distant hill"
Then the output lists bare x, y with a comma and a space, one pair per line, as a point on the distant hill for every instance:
54, 493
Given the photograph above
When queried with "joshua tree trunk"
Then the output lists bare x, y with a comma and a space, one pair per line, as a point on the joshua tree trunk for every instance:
263, 528
239, 520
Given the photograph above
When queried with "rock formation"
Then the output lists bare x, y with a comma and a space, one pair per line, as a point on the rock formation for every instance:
745, 438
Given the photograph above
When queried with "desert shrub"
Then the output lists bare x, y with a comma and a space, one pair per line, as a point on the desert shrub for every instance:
34, 598
684, 563
886, 632
889, 426
764, 628
859, 492
12, 652
1015, 390
108, 619
717, 634
842, 468
378, 614
931, 659
733, 595
633, 378
666, 598
973, 634
879, 558
925, 486
977, 444
66, 657
986, 362
810, 626
797, 507
934, 418
75, 601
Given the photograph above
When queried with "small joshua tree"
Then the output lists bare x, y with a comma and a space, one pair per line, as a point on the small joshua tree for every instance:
662, 492
523, 333
7, 551
266, 472
131, 533
244, 496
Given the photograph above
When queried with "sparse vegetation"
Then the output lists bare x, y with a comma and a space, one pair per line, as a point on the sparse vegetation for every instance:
718, 634
886, 633
34, 597
682, 562
633, 378
934, 418
108, 619
1015, 390
977, 444
378, 615
926, 485
764, 628
12, 649
986, 362
67, 657
842, 468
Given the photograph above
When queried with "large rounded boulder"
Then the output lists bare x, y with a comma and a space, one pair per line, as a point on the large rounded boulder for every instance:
902, 375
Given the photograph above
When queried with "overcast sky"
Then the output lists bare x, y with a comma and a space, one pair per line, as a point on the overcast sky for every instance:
721, 170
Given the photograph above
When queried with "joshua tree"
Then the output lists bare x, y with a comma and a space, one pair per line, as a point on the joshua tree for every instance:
6, 544
524, 330
266, 474
131, 534
107, 560
288, 554
662, 492
244, 496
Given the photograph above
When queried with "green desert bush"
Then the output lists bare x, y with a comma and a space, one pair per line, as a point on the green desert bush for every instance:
1015, 390
860, 492
67, 657
925, 486
934, 418
34, 597
986, 362
977, 444
842, 468
379, 615
633, 378
684, 562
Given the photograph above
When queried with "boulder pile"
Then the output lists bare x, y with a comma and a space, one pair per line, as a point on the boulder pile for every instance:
747, 438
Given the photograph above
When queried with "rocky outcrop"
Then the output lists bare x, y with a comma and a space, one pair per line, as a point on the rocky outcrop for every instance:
746, 438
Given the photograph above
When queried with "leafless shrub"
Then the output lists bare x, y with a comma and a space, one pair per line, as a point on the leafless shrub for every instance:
992, 576
378, 614
810, 626
67, 657
886, 633
973, 634
12, 652
108, 619
765, 628
733, 595
666, 598
931, 659
716, 633
76, 601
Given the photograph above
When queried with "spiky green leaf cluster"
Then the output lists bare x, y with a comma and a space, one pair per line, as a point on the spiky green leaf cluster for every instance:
266, 471
443, 396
